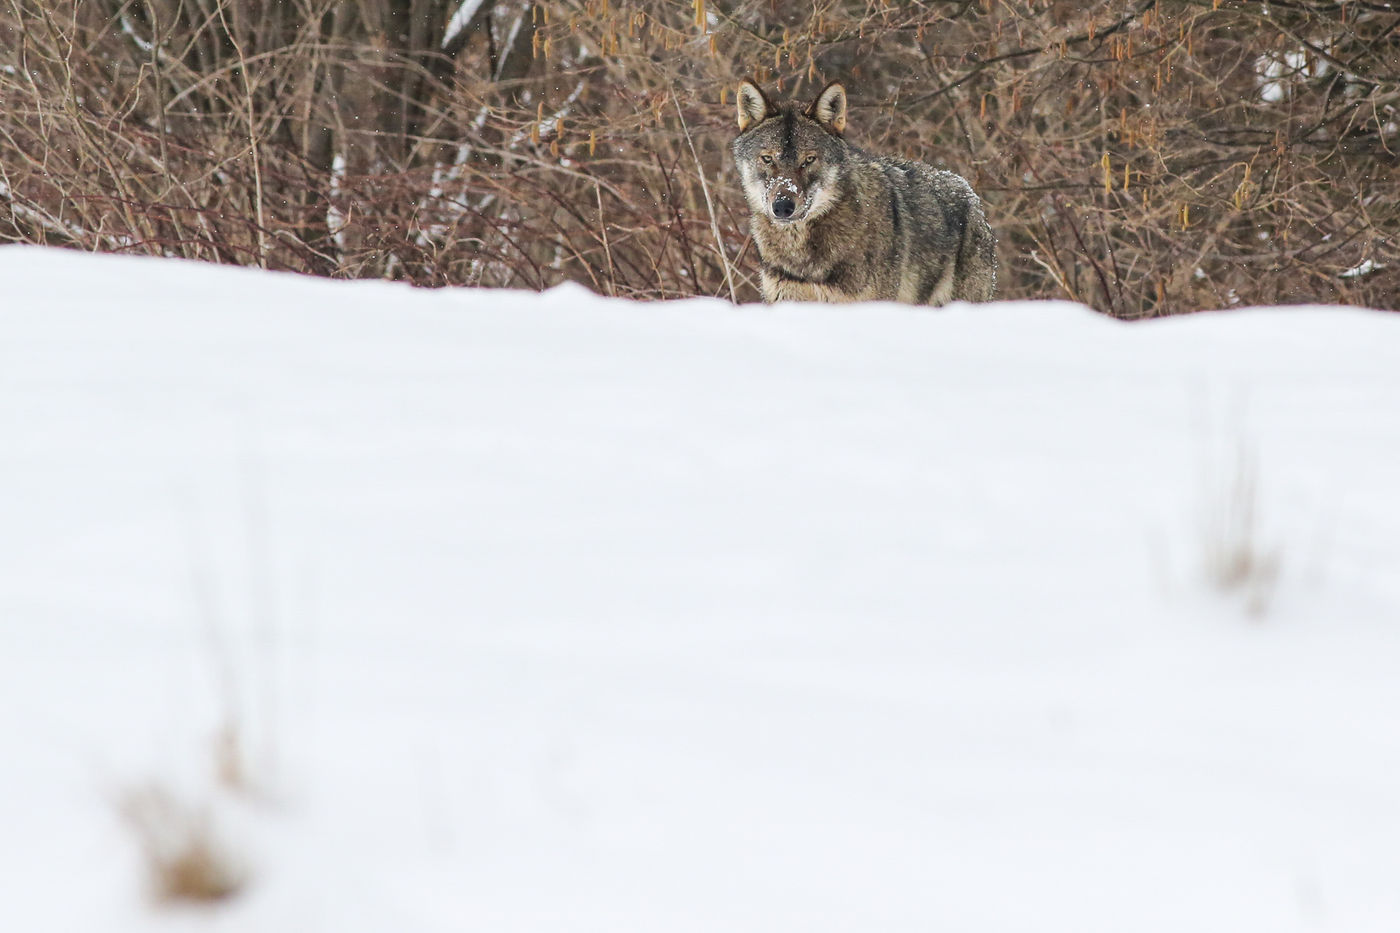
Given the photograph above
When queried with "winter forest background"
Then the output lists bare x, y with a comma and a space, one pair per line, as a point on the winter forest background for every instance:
1145, 158
354, 606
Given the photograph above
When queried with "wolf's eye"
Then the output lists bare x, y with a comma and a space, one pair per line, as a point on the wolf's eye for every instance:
766, 159
808, 161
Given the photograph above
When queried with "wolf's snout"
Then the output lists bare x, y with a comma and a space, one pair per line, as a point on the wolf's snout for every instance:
783, 207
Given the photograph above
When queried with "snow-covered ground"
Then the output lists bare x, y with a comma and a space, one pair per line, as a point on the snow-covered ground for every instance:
554, 613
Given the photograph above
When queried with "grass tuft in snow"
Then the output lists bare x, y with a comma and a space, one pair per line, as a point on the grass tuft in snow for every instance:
185, 859
1236, 557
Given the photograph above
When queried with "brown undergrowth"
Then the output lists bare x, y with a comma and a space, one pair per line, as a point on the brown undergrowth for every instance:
1144, 157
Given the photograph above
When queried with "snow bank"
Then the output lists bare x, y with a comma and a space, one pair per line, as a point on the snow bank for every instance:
549, 612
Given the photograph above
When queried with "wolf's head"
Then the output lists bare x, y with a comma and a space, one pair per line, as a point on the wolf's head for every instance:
790, 160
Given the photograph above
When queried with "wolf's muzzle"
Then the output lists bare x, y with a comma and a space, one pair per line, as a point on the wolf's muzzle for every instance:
784, 196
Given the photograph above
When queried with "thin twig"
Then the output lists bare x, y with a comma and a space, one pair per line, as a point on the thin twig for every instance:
607, 249
252, 138
709, 204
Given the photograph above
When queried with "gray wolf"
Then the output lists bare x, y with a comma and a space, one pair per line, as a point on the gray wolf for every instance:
835, 223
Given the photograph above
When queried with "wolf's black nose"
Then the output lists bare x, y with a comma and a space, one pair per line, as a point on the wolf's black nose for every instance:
783, 207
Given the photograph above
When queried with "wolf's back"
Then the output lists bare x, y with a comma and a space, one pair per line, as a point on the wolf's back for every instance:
947, 247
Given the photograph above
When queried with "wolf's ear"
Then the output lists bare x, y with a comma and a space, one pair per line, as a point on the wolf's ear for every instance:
754, 105
830, 107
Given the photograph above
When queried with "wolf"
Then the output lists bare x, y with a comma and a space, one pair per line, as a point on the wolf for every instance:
835, 223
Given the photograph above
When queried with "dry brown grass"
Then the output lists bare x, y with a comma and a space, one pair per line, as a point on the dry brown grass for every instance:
184, 858
1144, 157
1236, 555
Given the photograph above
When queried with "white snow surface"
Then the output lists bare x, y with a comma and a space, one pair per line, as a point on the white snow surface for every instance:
558, 613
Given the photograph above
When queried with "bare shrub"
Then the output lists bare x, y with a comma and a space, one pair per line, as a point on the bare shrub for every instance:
185, 860
1144, 157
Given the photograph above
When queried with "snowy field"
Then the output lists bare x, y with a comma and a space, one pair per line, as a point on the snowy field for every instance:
552, 613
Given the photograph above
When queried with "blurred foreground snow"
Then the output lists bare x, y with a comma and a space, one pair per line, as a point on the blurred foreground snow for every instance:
553, 613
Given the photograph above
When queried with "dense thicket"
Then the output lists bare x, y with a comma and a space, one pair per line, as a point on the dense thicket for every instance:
1143, 157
